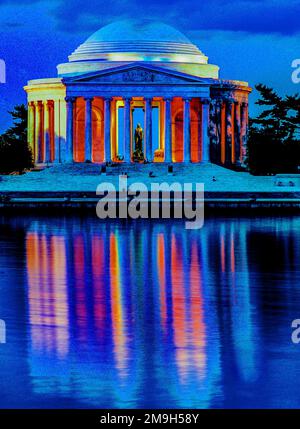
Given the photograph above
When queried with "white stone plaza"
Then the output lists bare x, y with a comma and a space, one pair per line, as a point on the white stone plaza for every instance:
78, 177
135, 72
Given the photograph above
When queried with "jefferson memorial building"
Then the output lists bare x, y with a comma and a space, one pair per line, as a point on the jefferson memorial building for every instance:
133, 74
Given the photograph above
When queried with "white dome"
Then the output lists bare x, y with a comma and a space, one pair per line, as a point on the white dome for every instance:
128, 41
138, 40
138, 30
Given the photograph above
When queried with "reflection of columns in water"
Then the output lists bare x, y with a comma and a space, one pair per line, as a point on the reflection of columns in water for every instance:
60, 294
179, 309
34, 289
222, 248
197, 357
117, 308
232, 264
47, 294
204, 261
151, 291
80, 292
161, 270
47, 310
210, 290
99, 283
242, 324
198, 334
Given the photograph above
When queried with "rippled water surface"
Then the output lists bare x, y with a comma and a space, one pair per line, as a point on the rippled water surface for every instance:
145, 314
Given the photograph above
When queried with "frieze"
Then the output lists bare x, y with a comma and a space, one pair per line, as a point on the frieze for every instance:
143, 76
138, 76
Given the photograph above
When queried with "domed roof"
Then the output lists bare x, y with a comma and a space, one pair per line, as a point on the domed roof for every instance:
138, 40
134, 30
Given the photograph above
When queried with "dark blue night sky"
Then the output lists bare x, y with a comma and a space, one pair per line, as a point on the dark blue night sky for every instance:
250, 40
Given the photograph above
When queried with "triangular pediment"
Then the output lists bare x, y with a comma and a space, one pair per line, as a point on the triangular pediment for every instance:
136, 73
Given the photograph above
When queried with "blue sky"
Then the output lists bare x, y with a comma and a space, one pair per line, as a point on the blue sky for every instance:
253, 40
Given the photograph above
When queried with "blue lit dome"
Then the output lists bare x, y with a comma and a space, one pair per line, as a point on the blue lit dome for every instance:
141, 40
131, 40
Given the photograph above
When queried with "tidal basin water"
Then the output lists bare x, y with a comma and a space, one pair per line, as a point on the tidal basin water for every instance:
143, 314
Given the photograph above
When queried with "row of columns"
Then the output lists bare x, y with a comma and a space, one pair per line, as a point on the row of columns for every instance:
233, 121
148, 129
41, 115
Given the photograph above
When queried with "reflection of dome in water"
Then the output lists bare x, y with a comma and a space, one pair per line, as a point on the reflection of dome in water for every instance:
138, 40
128, 41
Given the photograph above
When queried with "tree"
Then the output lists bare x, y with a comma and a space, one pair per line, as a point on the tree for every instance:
15, 154
274, 136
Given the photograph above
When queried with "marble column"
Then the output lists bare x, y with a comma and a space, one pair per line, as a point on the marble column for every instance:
38, 133
70, 128
168, 130
57, 157
229, 132
223, 131
187, 130
107, 129
47, 142
217, 129
205, 130
238, 135
127, 130
148, 128
88, 128
52, 131
244, 131
114, 128
31, 140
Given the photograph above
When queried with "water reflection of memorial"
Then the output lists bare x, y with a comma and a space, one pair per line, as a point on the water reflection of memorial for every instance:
115, 309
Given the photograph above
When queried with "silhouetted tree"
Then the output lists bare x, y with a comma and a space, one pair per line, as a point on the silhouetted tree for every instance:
274, 136
15, 154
